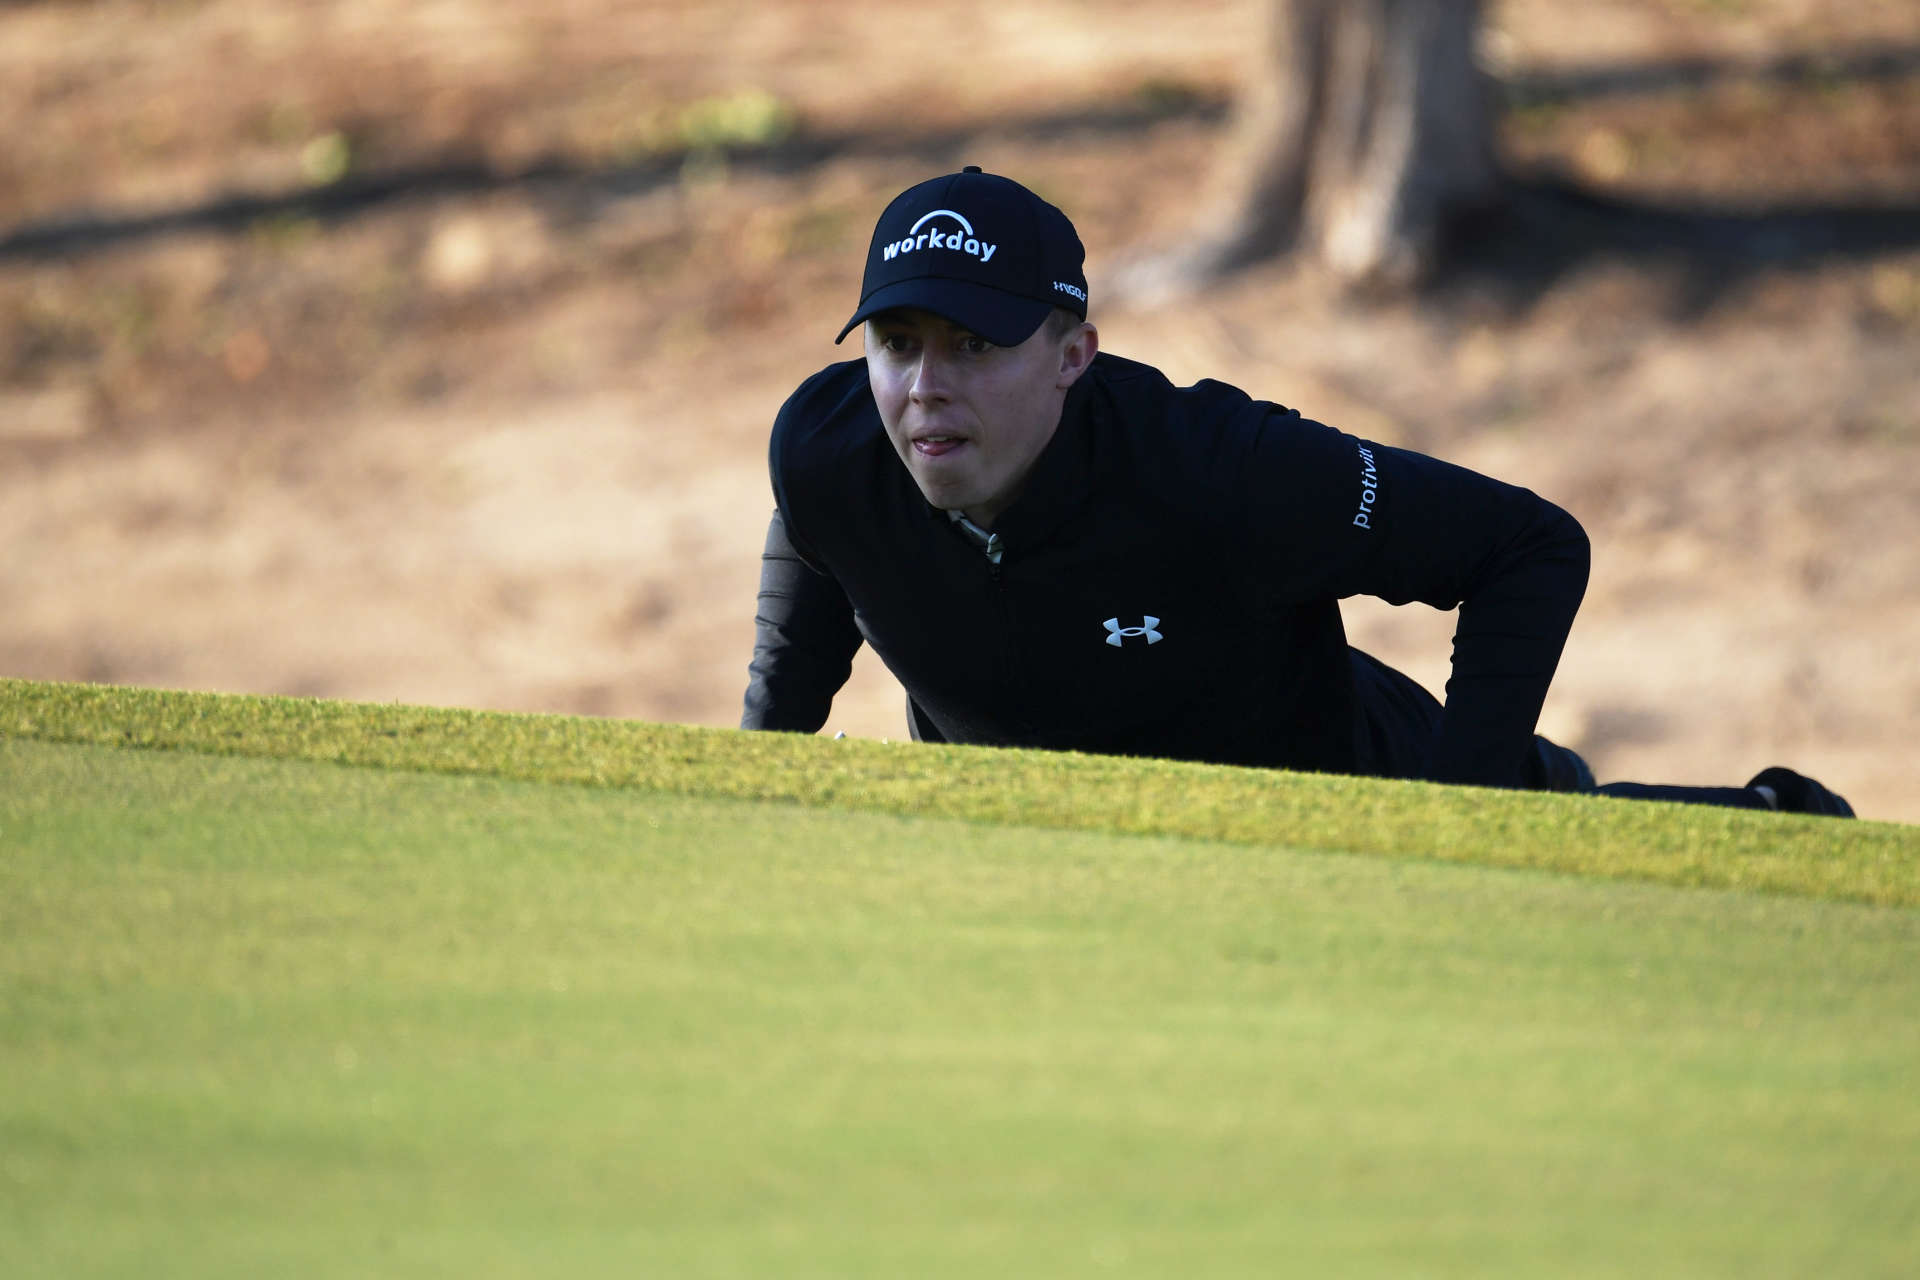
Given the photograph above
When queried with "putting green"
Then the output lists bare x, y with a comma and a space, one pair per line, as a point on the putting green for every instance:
281, 1017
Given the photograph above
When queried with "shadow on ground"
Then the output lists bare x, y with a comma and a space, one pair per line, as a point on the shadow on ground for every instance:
1550, 225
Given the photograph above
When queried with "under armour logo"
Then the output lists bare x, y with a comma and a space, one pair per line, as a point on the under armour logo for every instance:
1118, 635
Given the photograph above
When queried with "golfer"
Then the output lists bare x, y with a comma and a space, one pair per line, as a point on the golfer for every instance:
1054, 547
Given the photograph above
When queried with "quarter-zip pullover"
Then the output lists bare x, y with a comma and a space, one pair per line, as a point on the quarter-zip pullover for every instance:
1168, 584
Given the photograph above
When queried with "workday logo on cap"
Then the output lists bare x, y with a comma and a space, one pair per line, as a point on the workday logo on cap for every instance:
938, 237
977, 249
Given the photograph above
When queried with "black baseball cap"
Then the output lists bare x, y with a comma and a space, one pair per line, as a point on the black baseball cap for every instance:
978, 249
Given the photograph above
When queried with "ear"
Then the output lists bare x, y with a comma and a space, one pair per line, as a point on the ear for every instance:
1077, 353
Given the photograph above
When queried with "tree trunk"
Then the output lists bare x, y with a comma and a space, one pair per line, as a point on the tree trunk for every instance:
1365, 127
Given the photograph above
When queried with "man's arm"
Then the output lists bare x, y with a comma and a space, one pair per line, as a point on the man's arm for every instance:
1516, 565
1350, 518
804, 643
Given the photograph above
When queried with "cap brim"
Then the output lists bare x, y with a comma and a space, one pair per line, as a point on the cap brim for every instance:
1003, 319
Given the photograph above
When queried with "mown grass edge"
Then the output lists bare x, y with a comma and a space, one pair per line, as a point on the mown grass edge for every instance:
1869, 862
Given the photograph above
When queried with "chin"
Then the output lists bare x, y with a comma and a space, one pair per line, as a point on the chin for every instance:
945, 497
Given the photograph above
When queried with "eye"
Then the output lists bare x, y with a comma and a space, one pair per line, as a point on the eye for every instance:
975, 345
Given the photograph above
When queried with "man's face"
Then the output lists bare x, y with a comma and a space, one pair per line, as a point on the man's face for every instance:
970, 419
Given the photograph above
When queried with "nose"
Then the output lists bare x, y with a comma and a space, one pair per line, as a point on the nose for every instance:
929, 378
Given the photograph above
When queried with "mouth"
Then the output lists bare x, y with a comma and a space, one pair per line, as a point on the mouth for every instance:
934, 444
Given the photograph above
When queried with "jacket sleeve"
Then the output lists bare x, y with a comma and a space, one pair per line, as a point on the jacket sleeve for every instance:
805, 639
1516, 567
1344, 517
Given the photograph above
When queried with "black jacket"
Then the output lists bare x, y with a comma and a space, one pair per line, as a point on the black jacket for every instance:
1169, 583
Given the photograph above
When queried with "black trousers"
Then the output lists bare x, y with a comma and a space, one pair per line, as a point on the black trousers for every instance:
1398, 719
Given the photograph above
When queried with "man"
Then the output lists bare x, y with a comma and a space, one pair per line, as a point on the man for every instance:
1053, 547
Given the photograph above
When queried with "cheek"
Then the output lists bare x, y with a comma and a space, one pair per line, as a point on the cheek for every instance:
1017, 411
889, 396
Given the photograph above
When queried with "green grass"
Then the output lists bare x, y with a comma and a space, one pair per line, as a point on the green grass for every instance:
263, 1014
1668, 844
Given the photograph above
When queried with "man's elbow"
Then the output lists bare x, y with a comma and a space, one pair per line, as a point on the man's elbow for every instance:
1552, 556
1571, 548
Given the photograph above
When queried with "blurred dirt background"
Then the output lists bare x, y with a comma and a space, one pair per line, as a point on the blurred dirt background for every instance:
426, 351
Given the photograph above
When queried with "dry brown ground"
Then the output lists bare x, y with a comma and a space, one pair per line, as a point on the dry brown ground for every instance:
501, 445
